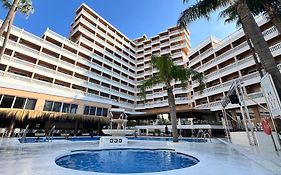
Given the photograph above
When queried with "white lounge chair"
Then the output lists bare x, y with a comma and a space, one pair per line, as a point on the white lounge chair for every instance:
17, 132
3, 132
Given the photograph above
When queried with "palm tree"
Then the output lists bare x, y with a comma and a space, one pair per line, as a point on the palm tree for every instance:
167, 74
24, 6
269, 7
10, 14
204, 8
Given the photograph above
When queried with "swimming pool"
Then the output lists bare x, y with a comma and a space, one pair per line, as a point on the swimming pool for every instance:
97, 138
126, 160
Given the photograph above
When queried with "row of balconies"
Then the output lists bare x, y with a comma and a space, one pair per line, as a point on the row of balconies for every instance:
97, 30
251, 78
234, 67
10, 76
63, 77
85, 13
268, 34
52, 73
163, 103
173, 55
103, 60
252, 98
164, 93
55, 61
247, 80
246, 62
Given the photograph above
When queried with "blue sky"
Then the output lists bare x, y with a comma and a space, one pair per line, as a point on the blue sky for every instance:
133, 18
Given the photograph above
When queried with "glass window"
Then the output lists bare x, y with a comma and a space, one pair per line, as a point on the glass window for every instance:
66, 108
19, 103
86, 110
57, 107
104, 112
48, 106
30, 103
7, 101
73, 108
93, 110
99, 111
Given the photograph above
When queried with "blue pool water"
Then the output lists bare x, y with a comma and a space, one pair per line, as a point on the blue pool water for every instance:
126, 161
43, 139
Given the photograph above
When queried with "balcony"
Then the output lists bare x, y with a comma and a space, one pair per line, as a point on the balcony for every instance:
214, 106
10, 77
248, 79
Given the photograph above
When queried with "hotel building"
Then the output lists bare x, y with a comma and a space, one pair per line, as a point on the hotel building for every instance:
98, 68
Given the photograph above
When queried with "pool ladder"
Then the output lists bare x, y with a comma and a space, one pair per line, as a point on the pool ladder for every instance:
50, 135
204, 135
22, 134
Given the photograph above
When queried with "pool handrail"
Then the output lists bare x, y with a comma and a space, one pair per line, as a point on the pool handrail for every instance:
50, 135
23, 136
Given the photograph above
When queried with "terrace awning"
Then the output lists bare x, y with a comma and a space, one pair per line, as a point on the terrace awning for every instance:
23, 114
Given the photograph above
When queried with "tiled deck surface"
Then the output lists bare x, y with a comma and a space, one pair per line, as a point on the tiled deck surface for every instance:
215, 158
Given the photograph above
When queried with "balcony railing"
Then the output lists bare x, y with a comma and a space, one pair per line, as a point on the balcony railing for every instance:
218, 103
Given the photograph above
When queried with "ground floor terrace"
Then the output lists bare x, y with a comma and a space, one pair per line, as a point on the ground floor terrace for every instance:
215, 158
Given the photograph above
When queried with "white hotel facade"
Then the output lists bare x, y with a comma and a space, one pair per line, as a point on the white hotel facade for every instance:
98, 68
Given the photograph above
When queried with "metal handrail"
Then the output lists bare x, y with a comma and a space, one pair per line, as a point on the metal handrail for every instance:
23, 136
50, 135
207, 135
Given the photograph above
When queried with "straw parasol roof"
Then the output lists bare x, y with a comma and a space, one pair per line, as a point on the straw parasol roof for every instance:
23, 114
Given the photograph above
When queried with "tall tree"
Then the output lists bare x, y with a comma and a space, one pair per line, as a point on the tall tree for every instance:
271, 8
167, 74
204, 8
12, 9
23, 6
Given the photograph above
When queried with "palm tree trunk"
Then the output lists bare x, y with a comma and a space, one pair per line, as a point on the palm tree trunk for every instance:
259, 43
273, 16
253, 52
11, 127
2, 50
173, 113
9, 16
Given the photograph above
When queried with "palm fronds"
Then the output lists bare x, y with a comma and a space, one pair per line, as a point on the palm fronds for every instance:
202, 9
168, 72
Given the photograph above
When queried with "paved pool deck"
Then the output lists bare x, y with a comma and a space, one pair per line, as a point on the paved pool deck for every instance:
216, 158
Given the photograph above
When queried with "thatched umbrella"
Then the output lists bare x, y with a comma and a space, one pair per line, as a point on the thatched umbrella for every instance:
23, 114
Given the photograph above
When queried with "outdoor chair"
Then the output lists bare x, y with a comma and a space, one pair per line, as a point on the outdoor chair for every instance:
17, 132
3, 132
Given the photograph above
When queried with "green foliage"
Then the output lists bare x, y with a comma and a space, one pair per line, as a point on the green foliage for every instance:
157, 131
204, 8
24, 6
168, 72
201, 9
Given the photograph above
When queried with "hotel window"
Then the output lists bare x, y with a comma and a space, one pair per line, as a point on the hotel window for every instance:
60, 107
89, 110
86, 110
19, 103
73, 108
92, 110
104, 112
8, 101
30, 103
48, 106
57, 107
99, 111
66, 108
